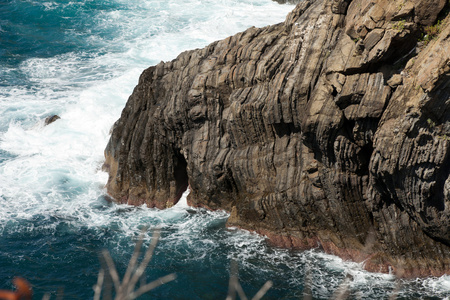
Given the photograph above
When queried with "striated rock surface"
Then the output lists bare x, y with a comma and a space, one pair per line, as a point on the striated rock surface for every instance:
329, 130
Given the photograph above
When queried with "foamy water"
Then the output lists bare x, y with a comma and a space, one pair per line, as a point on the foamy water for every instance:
81, 60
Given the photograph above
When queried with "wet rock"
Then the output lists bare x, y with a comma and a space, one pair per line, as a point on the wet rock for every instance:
288, 1
51, 119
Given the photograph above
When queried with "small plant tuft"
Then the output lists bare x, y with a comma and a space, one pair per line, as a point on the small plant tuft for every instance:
431, 123
431, 32
400, 25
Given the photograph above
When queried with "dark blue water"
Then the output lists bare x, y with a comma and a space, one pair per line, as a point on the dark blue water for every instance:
81, 59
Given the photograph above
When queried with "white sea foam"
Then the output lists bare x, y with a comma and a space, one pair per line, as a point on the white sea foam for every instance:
182, 203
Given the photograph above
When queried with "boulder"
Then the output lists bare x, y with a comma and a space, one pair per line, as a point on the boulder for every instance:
51, 119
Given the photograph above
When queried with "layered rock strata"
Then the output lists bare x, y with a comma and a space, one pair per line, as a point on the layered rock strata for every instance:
329, 130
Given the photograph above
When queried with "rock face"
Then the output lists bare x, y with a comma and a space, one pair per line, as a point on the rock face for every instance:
329, 130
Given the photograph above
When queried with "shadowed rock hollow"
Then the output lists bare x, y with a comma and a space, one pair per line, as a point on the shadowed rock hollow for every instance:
329, 130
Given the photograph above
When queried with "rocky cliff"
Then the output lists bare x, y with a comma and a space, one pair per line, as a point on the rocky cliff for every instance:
329, 130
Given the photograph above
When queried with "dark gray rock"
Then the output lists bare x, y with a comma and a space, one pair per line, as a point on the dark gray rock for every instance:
51, 119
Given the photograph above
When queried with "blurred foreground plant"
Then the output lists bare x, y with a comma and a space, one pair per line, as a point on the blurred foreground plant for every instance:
125, 289
235, 287
23, 291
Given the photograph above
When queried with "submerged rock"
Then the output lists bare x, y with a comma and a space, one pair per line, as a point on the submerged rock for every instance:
287, 1
51, 119
305, 132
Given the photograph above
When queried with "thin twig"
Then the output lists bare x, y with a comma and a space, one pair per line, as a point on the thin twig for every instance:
60, 294
148, 256
98, 286
398, 284
152, 285
233, 279
125, 289
46, 296
307, 289
263, 290
240, 291
132, 264
342, 292
235, 287
112, 271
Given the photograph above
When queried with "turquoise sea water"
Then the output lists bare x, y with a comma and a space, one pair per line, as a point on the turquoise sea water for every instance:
81, 59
